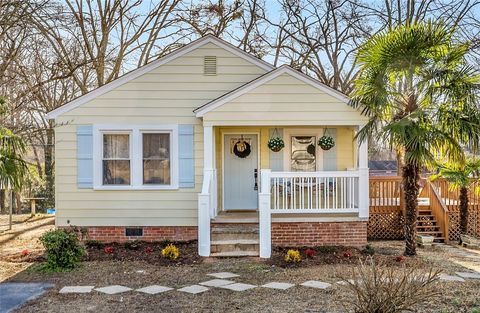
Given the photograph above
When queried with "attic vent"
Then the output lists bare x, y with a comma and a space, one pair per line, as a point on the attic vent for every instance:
210, 65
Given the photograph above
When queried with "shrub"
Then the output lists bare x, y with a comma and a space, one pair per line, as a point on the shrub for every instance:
369, 250
293, 256
25, 252
63, 250
399, 258
148, 250
347, 254
108, 250
94, 244
390, 289
132, 245
170, 252
310, 253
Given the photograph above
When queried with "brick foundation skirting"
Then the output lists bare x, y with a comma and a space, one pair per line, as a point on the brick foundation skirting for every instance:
294, 234
150, 233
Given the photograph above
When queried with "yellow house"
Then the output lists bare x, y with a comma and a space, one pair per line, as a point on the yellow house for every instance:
211, 143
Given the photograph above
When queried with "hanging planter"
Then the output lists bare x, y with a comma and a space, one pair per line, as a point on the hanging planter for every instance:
275, 143
326, 142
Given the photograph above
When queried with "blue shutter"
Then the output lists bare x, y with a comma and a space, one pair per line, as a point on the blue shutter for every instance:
85, 157
276, 158
330, 156
186, 166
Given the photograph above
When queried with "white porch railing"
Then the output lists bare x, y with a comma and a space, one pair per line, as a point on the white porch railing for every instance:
206, 208
314, 192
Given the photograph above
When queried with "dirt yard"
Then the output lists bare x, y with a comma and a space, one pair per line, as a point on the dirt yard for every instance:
20, 247
457, 297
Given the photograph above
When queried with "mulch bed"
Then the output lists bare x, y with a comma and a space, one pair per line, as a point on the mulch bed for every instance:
149, 252
313, 256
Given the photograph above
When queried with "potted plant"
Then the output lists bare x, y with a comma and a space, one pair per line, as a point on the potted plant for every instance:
326, 142
276, 143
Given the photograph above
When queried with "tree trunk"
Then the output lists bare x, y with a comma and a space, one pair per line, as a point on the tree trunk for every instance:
18, 203
3, 198
49, 165
463, 210
411, 178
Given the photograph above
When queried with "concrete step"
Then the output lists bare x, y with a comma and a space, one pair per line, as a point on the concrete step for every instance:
235, 229
235, 254
233, 236
234, 246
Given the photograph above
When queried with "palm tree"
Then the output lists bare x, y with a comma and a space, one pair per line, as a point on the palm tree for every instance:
460, 175
12, 148
420, 96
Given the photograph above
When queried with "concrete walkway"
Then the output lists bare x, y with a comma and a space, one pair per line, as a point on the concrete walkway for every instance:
13, 295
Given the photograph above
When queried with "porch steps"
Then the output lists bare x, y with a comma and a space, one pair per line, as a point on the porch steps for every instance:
234, 239
427, 224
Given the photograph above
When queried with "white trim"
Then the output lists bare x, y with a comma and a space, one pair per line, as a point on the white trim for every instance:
152, 65
136, 171
223, 133
284, 69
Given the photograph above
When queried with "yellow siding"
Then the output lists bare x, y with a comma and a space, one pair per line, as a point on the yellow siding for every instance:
285, 100
168, 94
345, 148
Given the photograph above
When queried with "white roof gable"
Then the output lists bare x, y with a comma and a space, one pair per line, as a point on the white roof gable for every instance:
150, 66
284, 69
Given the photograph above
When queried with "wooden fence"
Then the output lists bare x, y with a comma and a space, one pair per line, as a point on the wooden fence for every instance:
387, 219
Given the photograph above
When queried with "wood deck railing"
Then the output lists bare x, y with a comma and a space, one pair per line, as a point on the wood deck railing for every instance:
385, 194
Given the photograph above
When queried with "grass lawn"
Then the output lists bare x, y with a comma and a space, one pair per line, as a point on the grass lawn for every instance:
136, 273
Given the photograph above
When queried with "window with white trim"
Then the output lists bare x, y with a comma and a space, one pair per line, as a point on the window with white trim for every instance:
116, 159
135, 157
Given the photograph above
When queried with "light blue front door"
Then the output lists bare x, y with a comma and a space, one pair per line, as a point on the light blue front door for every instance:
240, 176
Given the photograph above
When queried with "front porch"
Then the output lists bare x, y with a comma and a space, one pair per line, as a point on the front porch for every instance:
255, 207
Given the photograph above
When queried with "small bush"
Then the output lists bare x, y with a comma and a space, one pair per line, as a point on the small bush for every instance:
310, 253
148, 249
63, 250
293, 256
400, 258
132, 245
347, 254
109, 250
390, 289
93, 244
170, 252
369, 250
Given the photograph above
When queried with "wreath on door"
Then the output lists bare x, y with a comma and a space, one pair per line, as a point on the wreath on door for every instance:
242, 149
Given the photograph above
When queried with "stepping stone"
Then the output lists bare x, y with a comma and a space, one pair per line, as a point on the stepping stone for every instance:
446, 277
345, 283
277, 285
316, 284
76, 289
217, 282
114, 289
468, 275
223, 275
238, 287
154, 289
193, 289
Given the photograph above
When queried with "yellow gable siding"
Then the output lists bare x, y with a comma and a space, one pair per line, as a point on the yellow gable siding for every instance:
168, 94
285, 100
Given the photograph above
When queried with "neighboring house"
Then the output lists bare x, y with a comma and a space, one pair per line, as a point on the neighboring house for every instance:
177, 149
383, 168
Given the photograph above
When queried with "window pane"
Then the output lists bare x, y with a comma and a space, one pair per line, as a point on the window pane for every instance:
116, 172
156, 146
116, 146
303, 153
156, 159
156, 172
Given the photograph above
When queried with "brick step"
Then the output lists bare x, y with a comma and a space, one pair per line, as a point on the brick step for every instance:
235, 254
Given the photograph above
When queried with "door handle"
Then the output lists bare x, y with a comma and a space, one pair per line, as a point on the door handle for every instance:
255, 176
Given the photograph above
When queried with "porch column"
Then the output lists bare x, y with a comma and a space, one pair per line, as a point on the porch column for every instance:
363, 184
205, 199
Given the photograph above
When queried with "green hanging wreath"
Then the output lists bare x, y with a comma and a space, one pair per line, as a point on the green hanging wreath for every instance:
326, 142
276, 144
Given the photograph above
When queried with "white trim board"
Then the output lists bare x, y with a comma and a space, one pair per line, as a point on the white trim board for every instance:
152, 65
284, 69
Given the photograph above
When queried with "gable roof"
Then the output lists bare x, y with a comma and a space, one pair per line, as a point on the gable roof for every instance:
284, 69
152, 65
